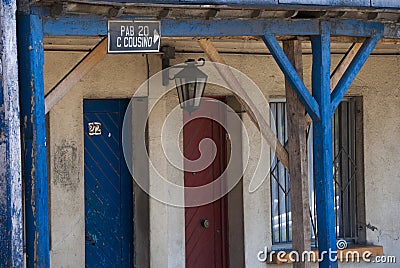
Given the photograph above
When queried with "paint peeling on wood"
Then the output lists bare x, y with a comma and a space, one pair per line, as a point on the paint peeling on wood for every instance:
11, 243
34, 136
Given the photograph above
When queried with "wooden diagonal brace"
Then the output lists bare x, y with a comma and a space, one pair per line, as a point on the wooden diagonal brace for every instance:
343, 64
232, 81
353, 69
340, 69
76, 74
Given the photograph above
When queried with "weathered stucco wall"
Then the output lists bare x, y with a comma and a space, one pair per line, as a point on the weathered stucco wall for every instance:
381, 85
66, 169
118, 76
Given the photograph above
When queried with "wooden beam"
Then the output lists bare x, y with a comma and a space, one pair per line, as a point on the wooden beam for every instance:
334, 39
11, 242
31, 59
95, 25
231, 80
343, 64
298, 161
360, 169
76, 74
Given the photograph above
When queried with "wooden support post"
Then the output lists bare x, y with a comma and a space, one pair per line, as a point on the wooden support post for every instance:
11, 243
232, 81
31, 59
76, 74
323, 159
298, 161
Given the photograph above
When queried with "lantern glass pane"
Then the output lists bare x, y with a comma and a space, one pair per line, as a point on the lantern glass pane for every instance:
179, 89
188, 94
200, 85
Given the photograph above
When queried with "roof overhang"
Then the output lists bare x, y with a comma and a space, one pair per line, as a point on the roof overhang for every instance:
191, 9
390, 4
249, 10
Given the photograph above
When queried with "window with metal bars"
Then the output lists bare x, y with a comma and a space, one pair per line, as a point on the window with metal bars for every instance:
347, 134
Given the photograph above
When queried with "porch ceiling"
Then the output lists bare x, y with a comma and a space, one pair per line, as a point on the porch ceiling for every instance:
187, 11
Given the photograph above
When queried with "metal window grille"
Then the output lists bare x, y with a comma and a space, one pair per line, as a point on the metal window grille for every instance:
344, 173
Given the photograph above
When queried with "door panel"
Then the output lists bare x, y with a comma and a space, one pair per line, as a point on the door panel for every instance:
205, 247
108, 187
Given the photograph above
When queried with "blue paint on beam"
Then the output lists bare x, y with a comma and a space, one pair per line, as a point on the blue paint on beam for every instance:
385, 3
323, 162
11, 242
94, 25
355, 28
199, 28
31, 59
291, 75
75, 25
352, 70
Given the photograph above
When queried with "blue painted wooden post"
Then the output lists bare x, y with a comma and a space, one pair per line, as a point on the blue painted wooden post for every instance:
31, 59
11, 243
323, 159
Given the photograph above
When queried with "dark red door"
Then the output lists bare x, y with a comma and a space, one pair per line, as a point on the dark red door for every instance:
206, 226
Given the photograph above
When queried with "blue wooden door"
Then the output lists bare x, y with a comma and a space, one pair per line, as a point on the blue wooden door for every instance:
108, 187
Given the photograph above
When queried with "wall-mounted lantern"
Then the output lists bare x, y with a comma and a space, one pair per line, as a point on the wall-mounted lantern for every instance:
190, 83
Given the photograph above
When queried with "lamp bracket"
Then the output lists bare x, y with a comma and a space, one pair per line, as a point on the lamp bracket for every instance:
168, 54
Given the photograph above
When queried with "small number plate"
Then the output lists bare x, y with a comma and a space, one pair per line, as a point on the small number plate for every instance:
94, 128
